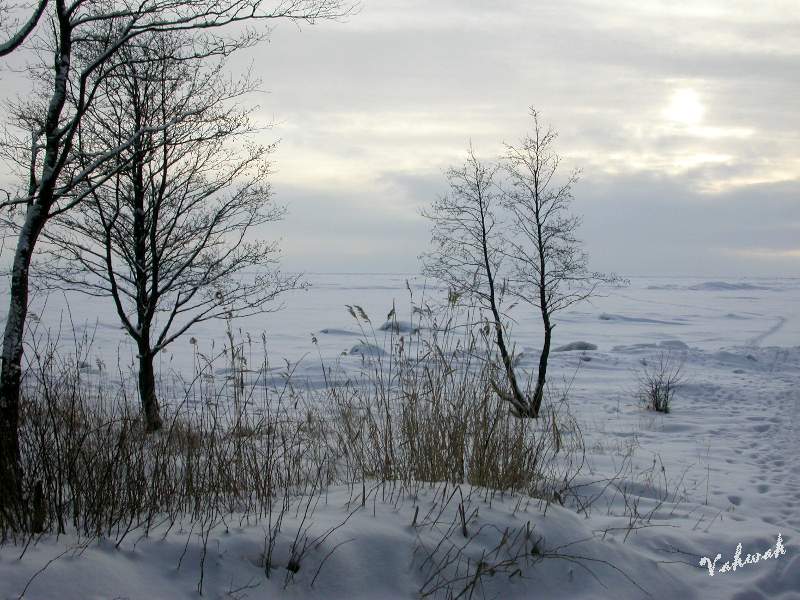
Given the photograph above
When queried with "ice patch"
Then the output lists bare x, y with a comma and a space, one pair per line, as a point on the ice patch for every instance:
633, 348
650, 346
575, 346
622, 318
668, 286
724, 286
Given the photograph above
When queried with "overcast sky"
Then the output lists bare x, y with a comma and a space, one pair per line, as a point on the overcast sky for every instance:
683, 116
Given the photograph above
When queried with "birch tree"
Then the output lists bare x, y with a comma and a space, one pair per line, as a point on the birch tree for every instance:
550, 268
467, 253
81, 46
506, 228
168, 237
16, 33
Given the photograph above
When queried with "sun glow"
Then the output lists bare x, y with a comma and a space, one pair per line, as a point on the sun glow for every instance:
685, 108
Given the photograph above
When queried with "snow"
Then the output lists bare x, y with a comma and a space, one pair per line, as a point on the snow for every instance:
718, 471
334, 331
572, 346
638, 315
609, 317
367, 349
724, 286
399, 326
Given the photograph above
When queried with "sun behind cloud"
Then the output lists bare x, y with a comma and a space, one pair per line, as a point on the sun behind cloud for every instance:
685, 107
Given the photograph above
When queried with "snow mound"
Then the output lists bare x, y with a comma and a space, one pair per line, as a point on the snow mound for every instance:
724, 286
650, 347
575, 346
334, 331
733, 359
622, 318
364, 349
674, 344
399, 327
385, 550
634, 348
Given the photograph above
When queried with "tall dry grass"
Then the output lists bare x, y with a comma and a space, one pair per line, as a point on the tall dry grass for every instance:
242, 443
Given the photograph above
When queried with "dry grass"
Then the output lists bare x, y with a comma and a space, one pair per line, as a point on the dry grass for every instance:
250, 447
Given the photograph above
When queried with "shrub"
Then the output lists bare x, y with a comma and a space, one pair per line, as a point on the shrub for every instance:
659, 380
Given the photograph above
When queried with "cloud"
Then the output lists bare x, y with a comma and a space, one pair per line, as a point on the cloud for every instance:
643, 223
646, 224
681, 114
768, 254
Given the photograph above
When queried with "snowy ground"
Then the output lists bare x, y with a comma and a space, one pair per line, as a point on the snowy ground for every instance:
720, 470
704, 314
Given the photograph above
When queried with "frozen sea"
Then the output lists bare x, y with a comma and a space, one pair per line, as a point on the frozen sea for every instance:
704, 313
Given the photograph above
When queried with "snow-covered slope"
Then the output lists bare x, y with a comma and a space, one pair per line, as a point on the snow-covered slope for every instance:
659, 492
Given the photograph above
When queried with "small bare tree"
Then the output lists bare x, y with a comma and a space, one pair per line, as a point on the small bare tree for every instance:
659, 380
167, 236
549, 264
467, 252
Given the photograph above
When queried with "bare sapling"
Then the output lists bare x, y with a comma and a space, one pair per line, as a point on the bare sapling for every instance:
548, 262
467, 254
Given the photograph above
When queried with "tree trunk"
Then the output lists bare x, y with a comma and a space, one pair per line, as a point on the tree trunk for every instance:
38, 210
517, 398
541, 378
538, 394
147, 391
11, 368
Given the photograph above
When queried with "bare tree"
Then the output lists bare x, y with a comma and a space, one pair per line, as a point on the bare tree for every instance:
18, 33
81, 48
167, 236
467, 252
550, 266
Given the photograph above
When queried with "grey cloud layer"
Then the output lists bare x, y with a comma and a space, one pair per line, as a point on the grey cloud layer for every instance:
371, 111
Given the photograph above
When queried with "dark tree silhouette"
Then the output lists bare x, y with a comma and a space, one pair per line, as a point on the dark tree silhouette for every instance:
167, 236
467, 252
18, 33
550, 267
80, 49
